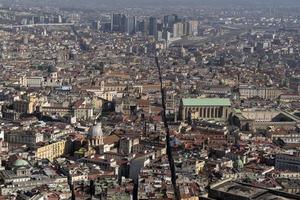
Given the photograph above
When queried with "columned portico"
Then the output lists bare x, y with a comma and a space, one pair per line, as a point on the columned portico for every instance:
206, 108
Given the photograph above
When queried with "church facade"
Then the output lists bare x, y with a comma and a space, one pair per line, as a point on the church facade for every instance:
205, 108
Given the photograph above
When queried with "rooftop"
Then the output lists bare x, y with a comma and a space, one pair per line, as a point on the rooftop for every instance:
206, 102
20, 163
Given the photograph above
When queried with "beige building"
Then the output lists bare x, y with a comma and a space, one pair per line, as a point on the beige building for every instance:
249, 91
51, 151
25, 106
249, 119
35, 81
79, 109
61, 111
126, 144
193, 166
205, 108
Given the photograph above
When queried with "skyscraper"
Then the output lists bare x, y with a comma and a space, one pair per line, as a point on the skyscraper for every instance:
169, 20
178, 30
192, 28
96, 25
116, 22
123, 24
142, 26
153, 26
166, 35
130, 25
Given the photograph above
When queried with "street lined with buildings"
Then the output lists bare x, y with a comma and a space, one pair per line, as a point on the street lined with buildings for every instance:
81, 109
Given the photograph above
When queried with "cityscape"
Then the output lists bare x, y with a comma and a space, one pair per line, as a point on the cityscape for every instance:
158, 100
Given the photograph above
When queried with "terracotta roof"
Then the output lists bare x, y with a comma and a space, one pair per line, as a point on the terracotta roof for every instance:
78, 103
110, 139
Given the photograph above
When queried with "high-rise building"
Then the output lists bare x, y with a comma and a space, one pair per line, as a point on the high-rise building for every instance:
123, 24
159, 35
24, 21
166, 35
186, 27
116, 22
139, 26
96, 25
36, 19
178, 30
193, 27
190, 28
106, 26
46, 20
42, 19
130, 25
59, 18
142, 26
169, 20
153, 26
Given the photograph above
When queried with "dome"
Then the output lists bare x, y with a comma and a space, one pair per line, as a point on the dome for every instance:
238, 164
21, 163
95, 131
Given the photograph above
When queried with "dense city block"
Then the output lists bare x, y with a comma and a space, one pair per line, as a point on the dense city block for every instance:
94, 95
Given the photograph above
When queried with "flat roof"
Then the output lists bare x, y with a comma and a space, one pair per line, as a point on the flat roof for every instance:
206, 102
239, 189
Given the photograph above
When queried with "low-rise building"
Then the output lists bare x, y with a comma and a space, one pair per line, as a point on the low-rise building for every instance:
23, 137
249, 91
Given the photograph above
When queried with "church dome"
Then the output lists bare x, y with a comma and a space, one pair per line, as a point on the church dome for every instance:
21, 163
238, 163
95, 131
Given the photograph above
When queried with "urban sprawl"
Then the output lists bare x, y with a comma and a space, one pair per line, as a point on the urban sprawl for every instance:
81, 111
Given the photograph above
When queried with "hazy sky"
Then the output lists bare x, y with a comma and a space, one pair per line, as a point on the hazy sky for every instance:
156, 3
